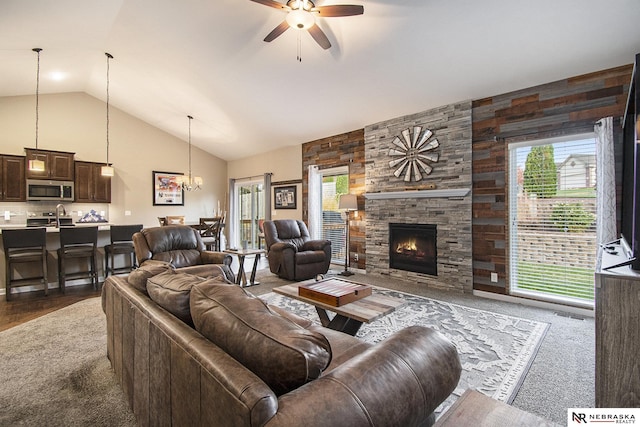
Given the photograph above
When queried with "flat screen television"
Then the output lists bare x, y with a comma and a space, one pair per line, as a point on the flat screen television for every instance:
630, 226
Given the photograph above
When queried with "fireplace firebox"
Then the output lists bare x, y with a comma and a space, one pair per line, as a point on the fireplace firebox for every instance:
412, 247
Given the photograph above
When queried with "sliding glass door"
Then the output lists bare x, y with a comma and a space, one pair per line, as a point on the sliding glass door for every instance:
249, 213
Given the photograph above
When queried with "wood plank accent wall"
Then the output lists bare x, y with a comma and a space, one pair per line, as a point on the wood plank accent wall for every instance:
346, 149
565, 107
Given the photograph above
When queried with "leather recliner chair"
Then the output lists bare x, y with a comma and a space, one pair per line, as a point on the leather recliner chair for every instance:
291, 252
183, 248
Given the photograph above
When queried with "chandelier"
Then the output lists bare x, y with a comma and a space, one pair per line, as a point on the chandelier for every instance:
190, 182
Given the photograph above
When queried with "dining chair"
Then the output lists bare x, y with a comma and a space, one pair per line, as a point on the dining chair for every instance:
260, 233
175, 220
210, 229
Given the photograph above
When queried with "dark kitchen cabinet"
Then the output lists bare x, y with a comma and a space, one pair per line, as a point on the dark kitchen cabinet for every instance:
90, 185
58, 165
13, 187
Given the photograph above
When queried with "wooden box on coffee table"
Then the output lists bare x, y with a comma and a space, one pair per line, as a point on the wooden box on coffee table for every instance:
334, 291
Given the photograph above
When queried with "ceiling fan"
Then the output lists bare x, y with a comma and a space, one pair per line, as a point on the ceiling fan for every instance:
302, 13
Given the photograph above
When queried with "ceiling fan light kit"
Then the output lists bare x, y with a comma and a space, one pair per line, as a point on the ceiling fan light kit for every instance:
300, 19
301, 15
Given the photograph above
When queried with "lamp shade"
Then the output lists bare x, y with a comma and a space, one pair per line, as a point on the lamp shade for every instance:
106, 171
348, 202
36, 165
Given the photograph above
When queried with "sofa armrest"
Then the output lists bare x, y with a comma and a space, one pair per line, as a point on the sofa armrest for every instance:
315, 245
399, 382
282, 246
211, 257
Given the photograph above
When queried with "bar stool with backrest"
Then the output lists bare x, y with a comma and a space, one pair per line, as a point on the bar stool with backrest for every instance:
25, 246
78, 243
121, 244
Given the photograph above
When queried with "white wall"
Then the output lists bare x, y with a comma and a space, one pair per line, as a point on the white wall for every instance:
76, 122
285, 164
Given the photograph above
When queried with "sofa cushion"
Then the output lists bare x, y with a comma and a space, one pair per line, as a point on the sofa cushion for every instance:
209, 270
138, 277
171, 291
283, 354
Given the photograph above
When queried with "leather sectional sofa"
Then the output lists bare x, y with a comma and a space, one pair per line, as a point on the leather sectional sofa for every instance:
193, 351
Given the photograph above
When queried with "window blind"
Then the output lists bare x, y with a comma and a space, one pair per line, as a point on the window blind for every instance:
552, 219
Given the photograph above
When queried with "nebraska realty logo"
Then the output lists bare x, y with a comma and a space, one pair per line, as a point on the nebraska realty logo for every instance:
585, 416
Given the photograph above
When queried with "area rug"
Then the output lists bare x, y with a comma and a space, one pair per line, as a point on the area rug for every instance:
54, 371
496, 350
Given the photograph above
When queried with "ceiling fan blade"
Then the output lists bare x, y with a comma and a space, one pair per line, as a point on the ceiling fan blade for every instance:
272, 3
338, 10
319, 36
277, 31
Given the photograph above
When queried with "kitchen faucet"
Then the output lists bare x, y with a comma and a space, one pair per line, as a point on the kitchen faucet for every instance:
64, 212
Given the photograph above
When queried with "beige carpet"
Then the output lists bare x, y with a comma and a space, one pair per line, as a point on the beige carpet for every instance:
55, 372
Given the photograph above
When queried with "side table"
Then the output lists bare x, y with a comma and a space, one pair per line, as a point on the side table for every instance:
474, 409
242, 254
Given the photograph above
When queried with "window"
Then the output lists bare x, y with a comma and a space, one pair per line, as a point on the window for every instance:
552, 219
333, 221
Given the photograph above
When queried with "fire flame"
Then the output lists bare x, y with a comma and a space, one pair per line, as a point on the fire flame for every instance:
407, 245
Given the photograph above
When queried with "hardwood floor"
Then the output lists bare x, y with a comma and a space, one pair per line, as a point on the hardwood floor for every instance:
27, 306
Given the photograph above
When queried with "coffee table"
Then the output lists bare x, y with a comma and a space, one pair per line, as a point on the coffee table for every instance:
348, 317
242, 254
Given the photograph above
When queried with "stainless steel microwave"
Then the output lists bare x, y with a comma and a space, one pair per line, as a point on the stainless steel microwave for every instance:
40, 189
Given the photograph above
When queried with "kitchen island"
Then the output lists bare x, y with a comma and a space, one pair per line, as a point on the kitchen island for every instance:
53, 243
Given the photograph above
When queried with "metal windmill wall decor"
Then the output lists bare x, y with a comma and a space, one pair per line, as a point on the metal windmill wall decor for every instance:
413, 155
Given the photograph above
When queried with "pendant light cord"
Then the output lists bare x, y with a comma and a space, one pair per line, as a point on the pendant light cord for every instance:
190, 180
109, 56
37, 50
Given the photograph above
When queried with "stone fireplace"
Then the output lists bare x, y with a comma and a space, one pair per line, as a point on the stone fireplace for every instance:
441, 199
412, 247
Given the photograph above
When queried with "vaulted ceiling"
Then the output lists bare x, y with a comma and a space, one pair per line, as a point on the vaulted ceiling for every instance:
207, 58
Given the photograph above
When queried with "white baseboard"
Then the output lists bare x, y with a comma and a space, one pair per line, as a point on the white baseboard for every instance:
585, 312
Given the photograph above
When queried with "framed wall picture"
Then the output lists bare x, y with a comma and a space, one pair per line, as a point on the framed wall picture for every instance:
167, 189
285, 197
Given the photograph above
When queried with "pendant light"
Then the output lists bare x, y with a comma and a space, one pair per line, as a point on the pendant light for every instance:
190, 182
107, 170
36, 164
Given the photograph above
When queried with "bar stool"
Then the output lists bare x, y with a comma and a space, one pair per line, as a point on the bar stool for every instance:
78, 243
121, 244
25, 246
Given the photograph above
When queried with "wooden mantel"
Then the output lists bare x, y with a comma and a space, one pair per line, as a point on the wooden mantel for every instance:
419, 194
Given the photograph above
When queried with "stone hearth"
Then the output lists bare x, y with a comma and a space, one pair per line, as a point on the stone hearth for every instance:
449, 211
